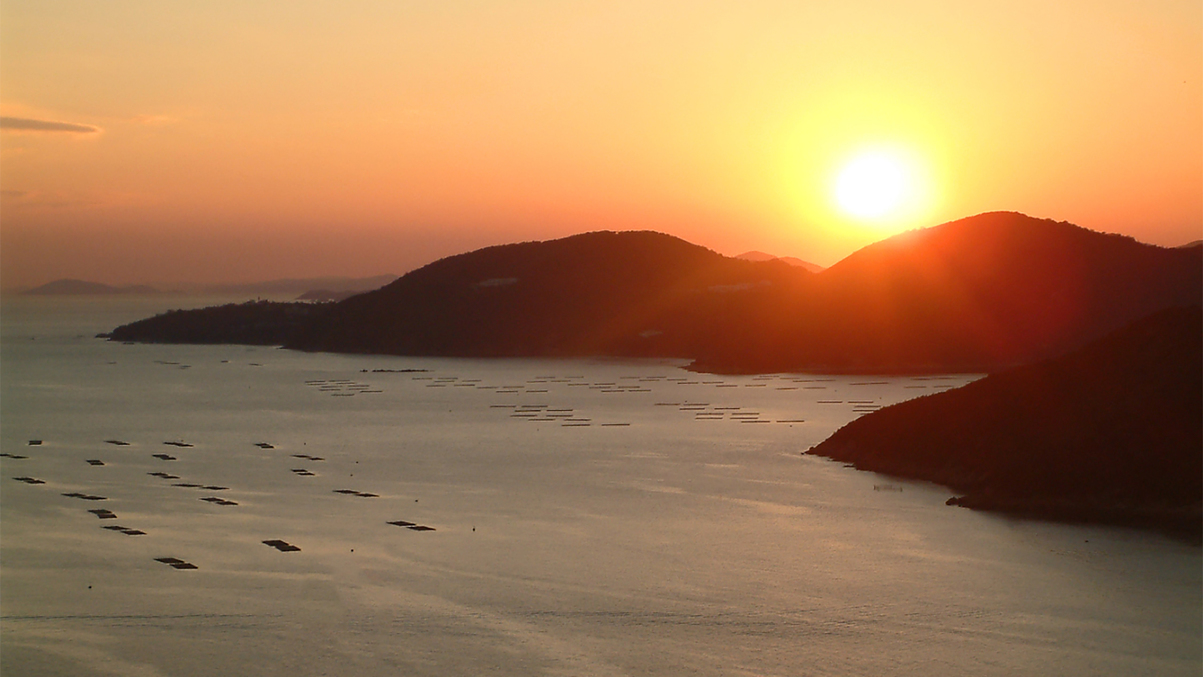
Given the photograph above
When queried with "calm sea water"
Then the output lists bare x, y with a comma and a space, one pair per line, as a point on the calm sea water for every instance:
587, 517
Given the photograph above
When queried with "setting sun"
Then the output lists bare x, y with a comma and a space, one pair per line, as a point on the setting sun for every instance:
875, 185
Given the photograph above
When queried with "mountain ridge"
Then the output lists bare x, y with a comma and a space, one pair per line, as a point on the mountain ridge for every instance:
976, 294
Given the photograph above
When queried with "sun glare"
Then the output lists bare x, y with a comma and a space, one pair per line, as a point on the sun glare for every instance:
874, 186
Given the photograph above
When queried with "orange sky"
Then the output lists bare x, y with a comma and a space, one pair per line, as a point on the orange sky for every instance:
238, 141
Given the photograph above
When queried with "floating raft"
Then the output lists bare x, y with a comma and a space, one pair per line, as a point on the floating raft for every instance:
176, 563
411, 525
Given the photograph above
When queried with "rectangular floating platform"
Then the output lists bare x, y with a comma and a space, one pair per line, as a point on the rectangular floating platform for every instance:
13, 456
118, 443
95, 461
282, 546
176, 563
218, 501
103, 513
164, 457
29, 480
126, 531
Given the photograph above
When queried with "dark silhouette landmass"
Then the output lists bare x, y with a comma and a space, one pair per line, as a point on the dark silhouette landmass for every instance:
603, 293
979, 294
262, 323
1110, 433
793, 261
82, 288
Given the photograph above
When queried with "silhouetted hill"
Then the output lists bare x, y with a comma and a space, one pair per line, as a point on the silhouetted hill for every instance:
1112, 432
793, 261
977, 294
603, 293
82, 288
266, 323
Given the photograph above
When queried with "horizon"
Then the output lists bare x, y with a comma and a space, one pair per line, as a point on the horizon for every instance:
194, 286
224, 144
200, 286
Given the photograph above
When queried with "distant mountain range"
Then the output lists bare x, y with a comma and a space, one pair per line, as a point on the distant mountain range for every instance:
761, 256
306, 289
978, 294
1112, 432
82, 288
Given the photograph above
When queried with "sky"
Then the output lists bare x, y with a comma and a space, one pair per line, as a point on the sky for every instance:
183, 142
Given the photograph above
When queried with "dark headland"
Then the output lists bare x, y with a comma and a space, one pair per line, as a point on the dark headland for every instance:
974, 295
1110, 433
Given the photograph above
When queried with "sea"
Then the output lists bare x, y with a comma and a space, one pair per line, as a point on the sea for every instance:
178, 510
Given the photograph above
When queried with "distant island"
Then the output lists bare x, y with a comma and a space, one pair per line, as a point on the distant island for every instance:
1110, 433
82, 288
303, 289
976, 295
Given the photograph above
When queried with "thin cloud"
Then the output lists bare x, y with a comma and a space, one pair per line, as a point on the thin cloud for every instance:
30, 125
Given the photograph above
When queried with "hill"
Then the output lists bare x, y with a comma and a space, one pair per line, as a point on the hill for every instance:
1112, 432
602, 293
978, 294
793, 261
265, 323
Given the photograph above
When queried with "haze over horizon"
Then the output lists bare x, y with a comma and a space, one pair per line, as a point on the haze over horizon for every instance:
148, 143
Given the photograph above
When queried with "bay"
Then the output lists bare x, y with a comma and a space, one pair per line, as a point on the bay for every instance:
587, 517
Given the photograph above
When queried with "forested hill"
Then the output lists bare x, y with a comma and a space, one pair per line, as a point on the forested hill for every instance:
1112, 432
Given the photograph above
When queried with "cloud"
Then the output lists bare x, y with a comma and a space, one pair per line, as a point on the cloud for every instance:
30, 125
13, 194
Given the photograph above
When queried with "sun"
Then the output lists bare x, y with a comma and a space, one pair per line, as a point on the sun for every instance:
874, 185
